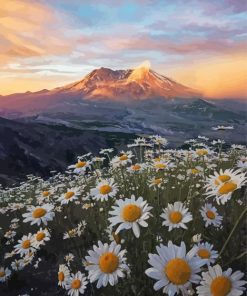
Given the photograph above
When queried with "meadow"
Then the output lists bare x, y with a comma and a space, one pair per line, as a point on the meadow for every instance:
146, 221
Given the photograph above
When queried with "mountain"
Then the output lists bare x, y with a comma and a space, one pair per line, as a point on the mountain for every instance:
36, 148
140, 83
105, 84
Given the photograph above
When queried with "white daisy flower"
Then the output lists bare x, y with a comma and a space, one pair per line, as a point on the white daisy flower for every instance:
104, 190
173, 269
158, 140
221, 185
4, 274
18, 264
216, 282
63, 275
136, 168
39, 214
106, 263
176, 216
80, 167
210, 215
130, 213
196, 171
70, 195
40, 237
160, 165
77, 284
205, 251
155, 182
242, 163
25, 245
122, 160
202, 152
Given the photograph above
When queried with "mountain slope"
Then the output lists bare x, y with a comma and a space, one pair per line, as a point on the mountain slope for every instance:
138, 84
35, 148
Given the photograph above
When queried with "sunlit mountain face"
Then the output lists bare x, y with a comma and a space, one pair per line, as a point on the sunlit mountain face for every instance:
128, 86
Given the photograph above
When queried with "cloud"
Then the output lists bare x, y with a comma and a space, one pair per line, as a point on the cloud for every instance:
29, 29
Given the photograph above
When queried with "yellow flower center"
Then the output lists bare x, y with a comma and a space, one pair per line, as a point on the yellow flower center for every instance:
80, 164
26, 244
201, 152
40, 236
204, 253
136, 167
46, 193
105, 189
76, 284
61, 276
2, 274
222, 179
69, 194
123, 157
131, 213
210, 214
108, 262
157, 181
227, 188
220, 286
194, 171
39, 212
157, 159
160, 166
175, 217
178, 271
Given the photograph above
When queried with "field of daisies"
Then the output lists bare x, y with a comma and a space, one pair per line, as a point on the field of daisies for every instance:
146, 221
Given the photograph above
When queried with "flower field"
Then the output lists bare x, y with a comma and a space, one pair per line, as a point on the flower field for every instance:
146, 221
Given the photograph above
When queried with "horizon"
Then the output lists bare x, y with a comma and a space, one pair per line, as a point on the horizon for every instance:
48, 45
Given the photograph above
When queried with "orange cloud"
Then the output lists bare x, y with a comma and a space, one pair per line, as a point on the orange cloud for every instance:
27, 30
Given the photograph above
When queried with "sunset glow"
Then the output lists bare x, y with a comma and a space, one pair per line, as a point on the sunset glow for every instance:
202, 44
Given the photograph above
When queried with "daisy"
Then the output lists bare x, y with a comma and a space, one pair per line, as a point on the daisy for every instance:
136, 168
202, 152
196, 171
130, 213
155, 182
158, 140
104, 190
221, 185
242, 163
41, 237
160, 165
80, 167
18, 265
25, 245
216, 282
63, 275
205, 251
77, 284
176, 215
106, 263
173, 269
70, 195
210, 215
4, 274
39, 214
122, 160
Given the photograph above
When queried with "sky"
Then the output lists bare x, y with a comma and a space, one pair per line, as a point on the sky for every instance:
202, 44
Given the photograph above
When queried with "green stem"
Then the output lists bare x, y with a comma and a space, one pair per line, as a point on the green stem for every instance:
232, 232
